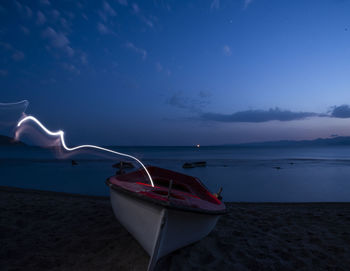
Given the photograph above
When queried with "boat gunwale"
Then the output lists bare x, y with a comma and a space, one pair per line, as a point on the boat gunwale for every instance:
167, 205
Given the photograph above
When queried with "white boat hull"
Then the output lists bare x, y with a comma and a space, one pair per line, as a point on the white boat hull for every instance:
160, 230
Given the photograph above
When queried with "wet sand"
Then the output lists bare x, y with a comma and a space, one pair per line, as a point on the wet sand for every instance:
42, 230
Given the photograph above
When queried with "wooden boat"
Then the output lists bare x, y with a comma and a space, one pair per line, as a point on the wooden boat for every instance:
176, 212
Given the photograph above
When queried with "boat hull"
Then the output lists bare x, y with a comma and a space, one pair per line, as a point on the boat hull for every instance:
158, 229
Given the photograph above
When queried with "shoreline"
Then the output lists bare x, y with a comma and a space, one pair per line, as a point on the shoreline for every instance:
41, 230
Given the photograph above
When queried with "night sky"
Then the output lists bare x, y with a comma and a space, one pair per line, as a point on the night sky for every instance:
163, 72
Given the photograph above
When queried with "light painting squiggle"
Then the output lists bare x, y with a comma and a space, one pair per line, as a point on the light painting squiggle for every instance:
60, 133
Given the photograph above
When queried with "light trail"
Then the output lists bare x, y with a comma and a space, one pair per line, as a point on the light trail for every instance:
20, 106
60, 133
16, 103
24, 102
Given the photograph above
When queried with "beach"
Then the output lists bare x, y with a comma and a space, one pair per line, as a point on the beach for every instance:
43, 230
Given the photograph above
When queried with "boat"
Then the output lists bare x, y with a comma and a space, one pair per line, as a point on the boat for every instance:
123, 165
200, 164
177, 211
194, 164
188, 165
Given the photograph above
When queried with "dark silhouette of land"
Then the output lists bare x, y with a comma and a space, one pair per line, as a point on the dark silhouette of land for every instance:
319, 142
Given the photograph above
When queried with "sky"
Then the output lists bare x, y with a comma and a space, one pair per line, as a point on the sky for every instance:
121, 72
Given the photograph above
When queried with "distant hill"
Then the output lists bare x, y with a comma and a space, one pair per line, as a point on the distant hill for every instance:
8, 141
334, 141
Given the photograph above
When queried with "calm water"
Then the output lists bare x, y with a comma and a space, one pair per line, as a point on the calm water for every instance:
246, 174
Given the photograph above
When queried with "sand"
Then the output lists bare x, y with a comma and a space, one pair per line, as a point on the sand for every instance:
56, 231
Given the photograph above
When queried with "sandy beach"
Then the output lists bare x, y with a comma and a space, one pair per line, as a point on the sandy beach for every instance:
42, 230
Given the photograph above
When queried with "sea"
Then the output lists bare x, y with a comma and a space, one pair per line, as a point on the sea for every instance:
246, 174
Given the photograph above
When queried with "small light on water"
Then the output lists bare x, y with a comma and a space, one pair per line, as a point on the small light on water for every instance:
198, 145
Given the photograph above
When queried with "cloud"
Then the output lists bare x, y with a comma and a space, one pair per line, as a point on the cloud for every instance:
250, 116
247, 3
45, 2
342, 111
148, 20
137, 50
69, 50
159, 67
80, 5
215, 4
58, 40
83, 59
227, 50
6, 45
178, 100
41, 19
102, 28
71, 68
24, 10
123, 2
18, 5
259, 116
56, 14
58, 18
17, 55
25, 30
135, 8
196, 104
106, 12
65, 23
28, 11
70, 14
108, 9
205, 94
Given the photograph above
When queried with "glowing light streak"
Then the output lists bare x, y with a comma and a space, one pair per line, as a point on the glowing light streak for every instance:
24, 102
60, 133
